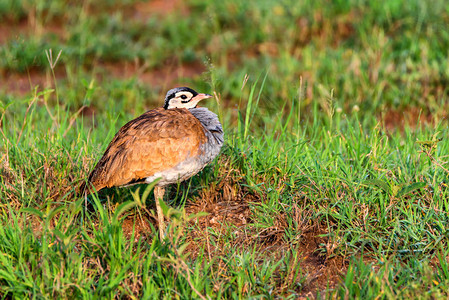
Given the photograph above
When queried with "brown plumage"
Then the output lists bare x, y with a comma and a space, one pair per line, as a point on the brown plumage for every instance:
156, 141
171, 143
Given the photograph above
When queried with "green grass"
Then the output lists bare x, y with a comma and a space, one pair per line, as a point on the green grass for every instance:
329, 185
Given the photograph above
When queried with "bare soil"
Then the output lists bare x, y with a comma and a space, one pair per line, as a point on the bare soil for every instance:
411, 117
25, 83
228, 205
229, 208
168, 76
234, 214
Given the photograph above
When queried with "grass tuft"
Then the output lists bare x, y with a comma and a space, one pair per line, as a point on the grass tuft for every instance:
333, 182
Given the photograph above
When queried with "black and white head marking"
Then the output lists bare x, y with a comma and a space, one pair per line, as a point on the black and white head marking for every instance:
180, 97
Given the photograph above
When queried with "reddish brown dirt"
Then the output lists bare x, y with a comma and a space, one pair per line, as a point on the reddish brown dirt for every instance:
142, 10
228, 205
23, 84
229, 210
321, 272
411, 117
316, 27
10, 30
139, 226
167, 77
170, 75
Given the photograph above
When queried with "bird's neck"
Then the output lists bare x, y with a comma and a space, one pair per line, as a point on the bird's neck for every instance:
210, 122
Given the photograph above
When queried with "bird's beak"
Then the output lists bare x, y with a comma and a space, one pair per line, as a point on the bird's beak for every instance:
200, 97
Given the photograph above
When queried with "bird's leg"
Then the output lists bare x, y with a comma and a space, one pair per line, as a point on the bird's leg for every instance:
159, 196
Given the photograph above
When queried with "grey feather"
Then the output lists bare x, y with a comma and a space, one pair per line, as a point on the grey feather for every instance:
211, 124
209, 150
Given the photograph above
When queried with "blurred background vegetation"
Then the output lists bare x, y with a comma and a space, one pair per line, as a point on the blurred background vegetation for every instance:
388, 59
332, 183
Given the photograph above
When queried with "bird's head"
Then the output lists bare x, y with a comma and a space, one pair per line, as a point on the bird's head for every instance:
183, 97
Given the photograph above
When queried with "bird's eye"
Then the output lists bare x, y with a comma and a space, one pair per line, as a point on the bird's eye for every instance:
183, 97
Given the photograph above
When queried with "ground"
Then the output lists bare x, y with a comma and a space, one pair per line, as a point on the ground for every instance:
332, 182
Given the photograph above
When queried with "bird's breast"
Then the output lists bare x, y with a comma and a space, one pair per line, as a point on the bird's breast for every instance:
208, 150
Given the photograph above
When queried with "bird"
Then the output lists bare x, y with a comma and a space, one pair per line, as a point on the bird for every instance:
170, 143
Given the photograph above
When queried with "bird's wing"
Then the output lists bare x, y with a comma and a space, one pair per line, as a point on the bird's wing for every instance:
157, 140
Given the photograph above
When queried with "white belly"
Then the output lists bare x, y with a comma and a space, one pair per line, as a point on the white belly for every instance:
181, 172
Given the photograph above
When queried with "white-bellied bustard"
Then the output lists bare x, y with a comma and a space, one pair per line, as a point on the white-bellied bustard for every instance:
172, 143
